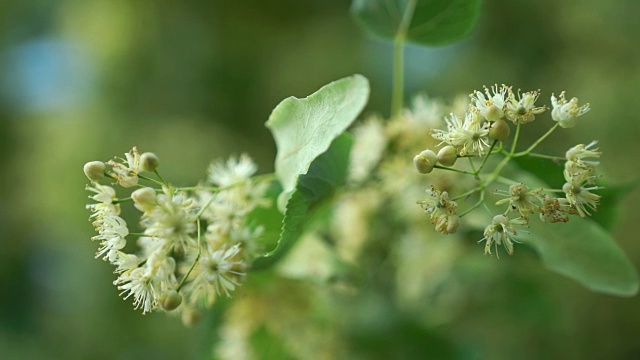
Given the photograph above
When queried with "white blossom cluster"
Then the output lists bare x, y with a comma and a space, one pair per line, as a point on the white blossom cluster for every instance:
190, 245
482, 133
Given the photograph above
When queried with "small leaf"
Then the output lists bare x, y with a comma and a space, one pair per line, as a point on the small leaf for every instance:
434, 22
304, 128
325, 175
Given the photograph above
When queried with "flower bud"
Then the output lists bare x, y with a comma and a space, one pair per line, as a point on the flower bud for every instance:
149, 162
447, 156
144, 198
94, 170
425, 161
493, 113
499, 130
170, 300
452, 224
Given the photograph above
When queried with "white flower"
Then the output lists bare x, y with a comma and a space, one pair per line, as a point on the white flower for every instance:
491, 106
469, 134
425, 111
577, 155
126, 171
105, 195
111, 234
578, 192
522, 200
523, 109
442, 211
233, 171
125, 262
217, 274
141, 285
172, 219
501, 231
555, 210
369, 144
566, 112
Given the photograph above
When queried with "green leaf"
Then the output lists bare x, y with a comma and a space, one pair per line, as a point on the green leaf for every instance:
582, 250
304, 128
434, 22
586, 252
608, 209
327, 173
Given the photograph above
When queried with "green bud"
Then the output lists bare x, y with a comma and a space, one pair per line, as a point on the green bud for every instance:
447, 156
499, 130
452, 224
170, 300
425, 161
493, 113
94, 170
144, 198
149, 162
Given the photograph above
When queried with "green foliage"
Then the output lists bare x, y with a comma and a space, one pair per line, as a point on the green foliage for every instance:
304, 128
609, 209
325, 175
434, 22
582, 250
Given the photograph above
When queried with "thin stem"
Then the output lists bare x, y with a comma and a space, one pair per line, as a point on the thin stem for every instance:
553, 190
137, 234
542, 156
506, 181
533, 146
397, 95
473, 167
484, 161
152, 180
263, 177
160, 177
454, 170
497, 170
480, 201
195, 261
515, 139
119, 201
467, 193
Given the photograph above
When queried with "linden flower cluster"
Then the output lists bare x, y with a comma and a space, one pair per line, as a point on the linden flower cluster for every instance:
193, 243
481, 134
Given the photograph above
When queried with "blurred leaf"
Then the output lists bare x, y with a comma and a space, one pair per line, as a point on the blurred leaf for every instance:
304, 128
585, 252
325, 175
609, 207
269, 218
269, 345
549, 171
434, 22
581, 250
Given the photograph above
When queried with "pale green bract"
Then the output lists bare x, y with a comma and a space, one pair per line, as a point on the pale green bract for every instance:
304, 128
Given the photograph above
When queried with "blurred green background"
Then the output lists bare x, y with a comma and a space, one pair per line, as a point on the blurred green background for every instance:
195, 80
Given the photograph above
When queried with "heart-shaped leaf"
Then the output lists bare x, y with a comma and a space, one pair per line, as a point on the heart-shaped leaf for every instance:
433, 22
304, 128
326, 174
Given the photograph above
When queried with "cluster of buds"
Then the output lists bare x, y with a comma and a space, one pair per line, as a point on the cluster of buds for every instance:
193, 246
485, 125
